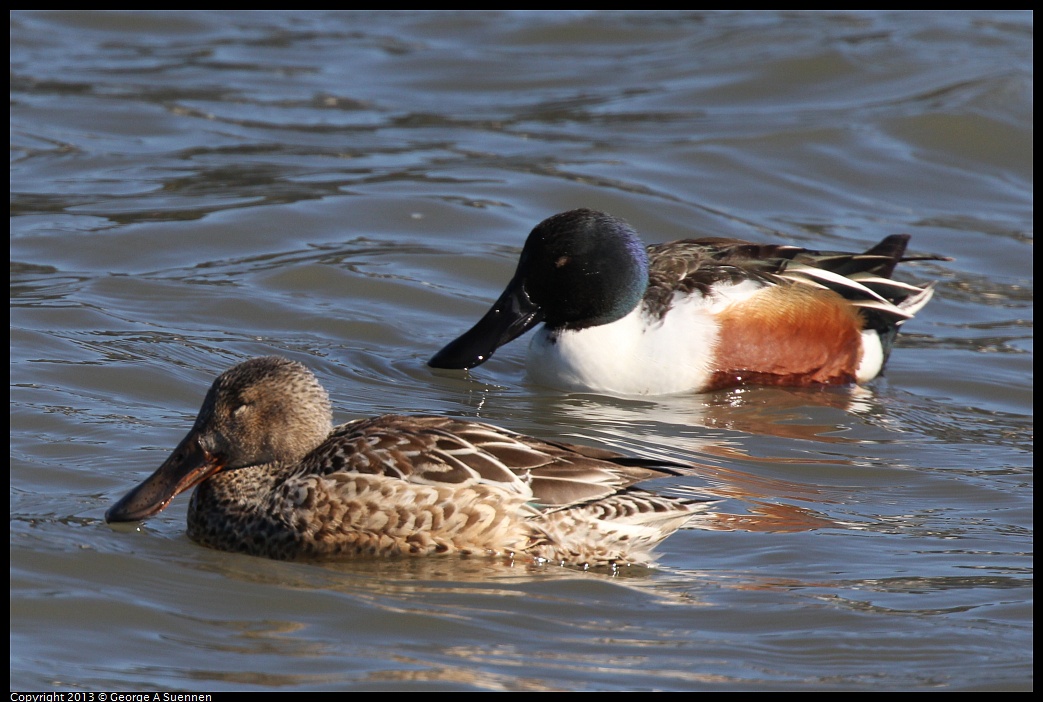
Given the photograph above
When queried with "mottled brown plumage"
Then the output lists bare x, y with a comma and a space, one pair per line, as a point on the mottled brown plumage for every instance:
276, 479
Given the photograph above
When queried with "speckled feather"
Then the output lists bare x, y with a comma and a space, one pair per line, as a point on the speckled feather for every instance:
292, 486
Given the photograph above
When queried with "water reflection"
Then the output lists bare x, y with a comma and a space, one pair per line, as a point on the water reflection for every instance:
192, 188
723, 439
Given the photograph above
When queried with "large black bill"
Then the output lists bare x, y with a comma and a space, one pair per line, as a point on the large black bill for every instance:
512, 315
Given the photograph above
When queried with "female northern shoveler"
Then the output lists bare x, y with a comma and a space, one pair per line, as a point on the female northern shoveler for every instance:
276, 479
693, 315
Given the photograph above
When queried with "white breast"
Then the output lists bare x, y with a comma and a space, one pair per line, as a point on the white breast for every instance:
635, 355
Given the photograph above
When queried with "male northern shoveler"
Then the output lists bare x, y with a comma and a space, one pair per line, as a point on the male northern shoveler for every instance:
693, 315
276, 479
